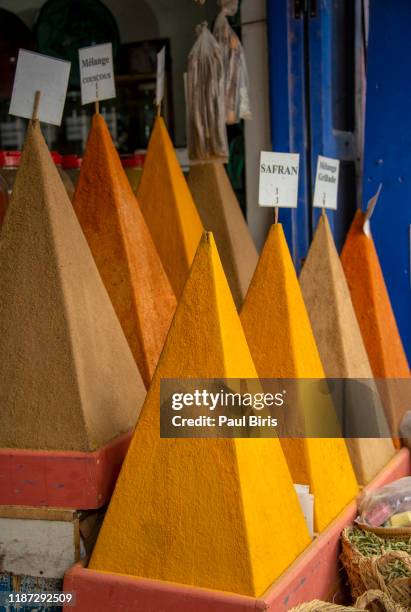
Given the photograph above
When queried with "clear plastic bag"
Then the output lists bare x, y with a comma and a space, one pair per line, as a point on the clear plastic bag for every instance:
377, 508
229, 7
237, 101
206, 130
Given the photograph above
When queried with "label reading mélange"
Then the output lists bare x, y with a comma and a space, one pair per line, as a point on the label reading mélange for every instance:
48, 75
96, 73
279, 179
326, 183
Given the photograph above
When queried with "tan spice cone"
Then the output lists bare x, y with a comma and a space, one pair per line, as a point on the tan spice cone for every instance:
342, 350
221, 214
68, 380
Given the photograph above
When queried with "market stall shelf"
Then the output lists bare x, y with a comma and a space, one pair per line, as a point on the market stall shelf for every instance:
63, 479
316, 574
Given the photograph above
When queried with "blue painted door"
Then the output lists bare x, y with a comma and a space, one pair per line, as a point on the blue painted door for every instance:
315, 49
318, 58
288, 112
336, 95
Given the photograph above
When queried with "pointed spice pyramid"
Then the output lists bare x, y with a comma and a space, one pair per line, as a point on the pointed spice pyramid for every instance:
375, 317
168, 207
214, 513
123, 249
335, 327
68, 380
220, 213
282, 344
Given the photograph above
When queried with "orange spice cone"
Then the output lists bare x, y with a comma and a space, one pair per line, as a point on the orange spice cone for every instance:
123, 249
214, 513
168, 207
376, 320
221, 214
282, 344
335, 327
68, 380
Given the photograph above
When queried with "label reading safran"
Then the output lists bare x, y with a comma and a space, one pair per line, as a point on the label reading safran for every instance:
48, 75
96, 73
326, 183
278, 179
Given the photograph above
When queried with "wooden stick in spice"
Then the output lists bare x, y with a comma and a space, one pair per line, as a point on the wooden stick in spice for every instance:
36, 104
97, 102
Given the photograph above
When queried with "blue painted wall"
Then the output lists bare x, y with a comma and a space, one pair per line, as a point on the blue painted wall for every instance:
388, 149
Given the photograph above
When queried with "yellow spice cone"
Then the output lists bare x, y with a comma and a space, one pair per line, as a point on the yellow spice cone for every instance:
215, 513
168, 207
220, 213
342, 350
282, 344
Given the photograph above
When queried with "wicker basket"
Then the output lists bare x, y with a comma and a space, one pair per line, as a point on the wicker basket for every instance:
371, 601
366, 573
321, 606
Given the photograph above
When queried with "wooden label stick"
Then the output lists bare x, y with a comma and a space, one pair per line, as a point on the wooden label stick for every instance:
161, 64
36, 104
276, 207
96, 102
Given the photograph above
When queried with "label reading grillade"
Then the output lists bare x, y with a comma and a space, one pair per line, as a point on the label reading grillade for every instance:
278, 179
326, 183
96, 73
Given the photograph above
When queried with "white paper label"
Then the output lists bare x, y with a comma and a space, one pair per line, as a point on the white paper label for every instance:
326, 183
161, 69
279, 179
306, 500
49, 76
96, 73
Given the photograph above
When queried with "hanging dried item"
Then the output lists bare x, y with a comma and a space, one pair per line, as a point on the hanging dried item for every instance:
207, 134
237, 102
